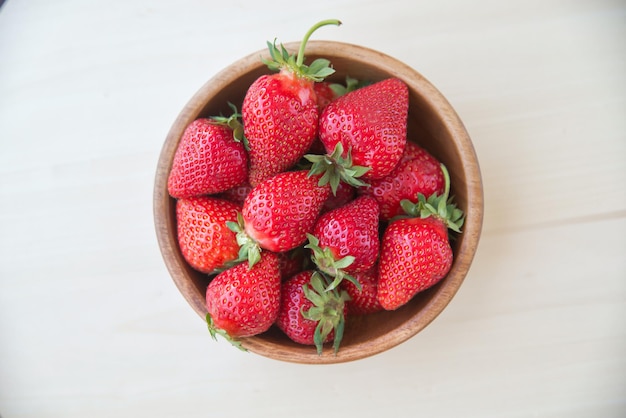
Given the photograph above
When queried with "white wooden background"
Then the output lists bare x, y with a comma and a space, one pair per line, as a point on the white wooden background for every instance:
91, 325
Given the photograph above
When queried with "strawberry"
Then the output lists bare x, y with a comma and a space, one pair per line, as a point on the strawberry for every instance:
343, 195
309, 314
415, 251
371, 123
278, 213
365, 300
242, 302
345, 240
280, 111
237, 194
327, 92
412, 150
292, 262
417, 172
203, 237
209, 159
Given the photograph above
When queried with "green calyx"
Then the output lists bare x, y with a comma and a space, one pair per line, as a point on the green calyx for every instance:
233, 122
326, 263
440, 207
281, 59
335, 168
351, 85
214, 331
327, 311
249, 249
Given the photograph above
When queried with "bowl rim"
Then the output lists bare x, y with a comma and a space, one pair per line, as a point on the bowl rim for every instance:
166, 236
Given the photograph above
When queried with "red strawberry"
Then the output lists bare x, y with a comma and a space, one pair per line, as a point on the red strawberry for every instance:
415, 252
237, 194
203, 237
412, 150
292, 262
343, 195
210, 158
242, 302
327, 92
370, 122
279, 212
280, 110
309, 314
345, 240
365, 300
417, 172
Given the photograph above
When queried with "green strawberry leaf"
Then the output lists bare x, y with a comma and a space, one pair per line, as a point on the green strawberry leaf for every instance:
233, 122
327, 311
214, 331
335, 168
326, 263
438, 206
249, 249
281, 59
351, 85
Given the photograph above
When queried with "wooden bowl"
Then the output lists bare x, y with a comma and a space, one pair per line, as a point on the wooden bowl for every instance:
432, 123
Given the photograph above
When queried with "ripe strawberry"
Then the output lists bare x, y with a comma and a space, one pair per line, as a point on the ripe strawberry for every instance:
345, 240
412, 150
237, 194
280, 110
242, 301
417, 172
371, 123
365, 300
210, 158
204, 239
415, 252
344, 194
293, 262
327, 92
279, 212
309, 314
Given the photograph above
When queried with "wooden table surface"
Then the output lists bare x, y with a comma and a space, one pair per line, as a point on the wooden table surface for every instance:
91, 325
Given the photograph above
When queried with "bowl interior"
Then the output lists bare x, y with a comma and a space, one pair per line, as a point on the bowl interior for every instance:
432, 123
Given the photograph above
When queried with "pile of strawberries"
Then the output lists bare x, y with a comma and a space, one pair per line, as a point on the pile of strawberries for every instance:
310, 205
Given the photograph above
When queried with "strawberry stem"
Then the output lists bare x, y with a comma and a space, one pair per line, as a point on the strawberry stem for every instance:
233, 122
327, 310
336, 168
446, 182
439, 206
281, 60
327, 264
300, 56
249, 249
